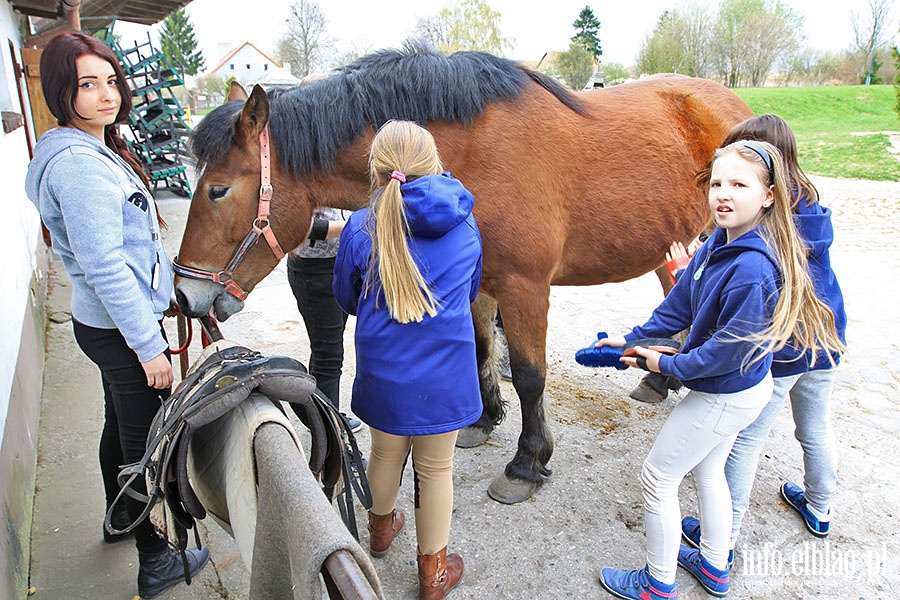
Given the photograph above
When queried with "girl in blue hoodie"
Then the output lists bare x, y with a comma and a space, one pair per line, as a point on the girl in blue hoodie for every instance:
745, 293
806, 377
408, 267
93, 198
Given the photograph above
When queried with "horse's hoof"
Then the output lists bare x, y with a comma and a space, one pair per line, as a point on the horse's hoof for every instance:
512, 491
469, 437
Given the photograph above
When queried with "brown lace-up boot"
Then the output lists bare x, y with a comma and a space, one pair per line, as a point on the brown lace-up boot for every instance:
438, 573
382, 531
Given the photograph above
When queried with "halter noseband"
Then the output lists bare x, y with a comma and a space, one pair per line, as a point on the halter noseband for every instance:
260, 226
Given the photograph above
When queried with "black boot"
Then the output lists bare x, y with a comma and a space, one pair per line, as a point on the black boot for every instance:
119, 521
162, 570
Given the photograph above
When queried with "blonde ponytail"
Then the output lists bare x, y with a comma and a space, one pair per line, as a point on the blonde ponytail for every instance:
400, 151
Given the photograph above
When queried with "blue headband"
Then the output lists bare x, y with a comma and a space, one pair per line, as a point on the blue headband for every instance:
766, 158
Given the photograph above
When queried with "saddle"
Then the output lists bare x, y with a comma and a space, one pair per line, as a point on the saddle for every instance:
217, 386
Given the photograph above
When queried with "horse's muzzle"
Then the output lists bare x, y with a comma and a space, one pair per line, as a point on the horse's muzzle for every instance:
196, 298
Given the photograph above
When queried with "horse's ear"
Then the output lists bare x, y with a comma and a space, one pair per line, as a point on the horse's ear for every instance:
237, 92
255, 113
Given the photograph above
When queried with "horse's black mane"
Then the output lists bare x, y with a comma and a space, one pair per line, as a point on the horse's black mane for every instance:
311, 124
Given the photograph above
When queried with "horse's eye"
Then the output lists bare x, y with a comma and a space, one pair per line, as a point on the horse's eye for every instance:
217, 192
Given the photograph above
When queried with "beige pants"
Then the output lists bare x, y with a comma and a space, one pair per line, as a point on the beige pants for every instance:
433, 477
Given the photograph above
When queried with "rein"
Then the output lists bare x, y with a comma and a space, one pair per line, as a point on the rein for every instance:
260, 226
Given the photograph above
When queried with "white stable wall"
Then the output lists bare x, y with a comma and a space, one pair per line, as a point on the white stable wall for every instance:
23, 286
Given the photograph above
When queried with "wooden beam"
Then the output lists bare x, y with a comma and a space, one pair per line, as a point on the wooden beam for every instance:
145, 12
48, 9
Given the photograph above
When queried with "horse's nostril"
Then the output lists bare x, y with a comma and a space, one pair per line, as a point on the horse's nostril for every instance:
181, 299
185, 304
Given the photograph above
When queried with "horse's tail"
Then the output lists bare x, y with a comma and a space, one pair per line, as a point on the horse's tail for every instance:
559, 91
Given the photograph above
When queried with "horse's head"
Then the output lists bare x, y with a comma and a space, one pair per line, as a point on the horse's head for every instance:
227, 216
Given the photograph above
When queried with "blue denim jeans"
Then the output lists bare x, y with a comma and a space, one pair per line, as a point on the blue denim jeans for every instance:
810, 395
310, 280
130, 406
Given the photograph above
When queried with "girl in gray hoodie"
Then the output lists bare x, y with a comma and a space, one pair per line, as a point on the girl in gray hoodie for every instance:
93, 198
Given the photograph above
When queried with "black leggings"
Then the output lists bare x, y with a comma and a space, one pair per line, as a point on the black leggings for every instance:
310, 280
129, 407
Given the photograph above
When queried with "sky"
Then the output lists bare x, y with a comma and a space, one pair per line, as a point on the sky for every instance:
365, 25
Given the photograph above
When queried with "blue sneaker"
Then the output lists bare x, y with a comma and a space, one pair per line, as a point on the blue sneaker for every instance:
715, 581
690, 531
793, 495
636, 584
355, 424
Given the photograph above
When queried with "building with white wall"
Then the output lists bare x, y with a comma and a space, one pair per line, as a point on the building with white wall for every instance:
246, 63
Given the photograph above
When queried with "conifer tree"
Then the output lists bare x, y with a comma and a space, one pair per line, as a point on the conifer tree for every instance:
587, 26
179, 43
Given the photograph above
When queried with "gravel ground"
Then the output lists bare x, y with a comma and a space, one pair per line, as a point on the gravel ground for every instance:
588, 515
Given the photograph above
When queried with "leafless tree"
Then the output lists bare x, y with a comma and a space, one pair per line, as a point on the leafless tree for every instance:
770, 32
432, 29
869, 33
751, 37
465, 25
305, 45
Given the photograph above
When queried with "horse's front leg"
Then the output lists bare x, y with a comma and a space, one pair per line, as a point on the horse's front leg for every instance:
484, 314
525, 323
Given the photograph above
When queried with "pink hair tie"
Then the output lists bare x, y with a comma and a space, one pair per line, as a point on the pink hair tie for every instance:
398, 176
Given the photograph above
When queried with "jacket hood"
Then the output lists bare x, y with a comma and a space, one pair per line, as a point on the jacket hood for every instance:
50, 144
435, 204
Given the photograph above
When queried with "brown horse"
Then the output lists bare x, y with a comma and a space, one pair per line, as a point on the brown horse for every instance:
570, 189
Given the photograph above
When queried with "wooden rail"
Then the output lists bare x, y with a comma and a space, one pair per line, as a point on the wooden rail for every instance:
344, 579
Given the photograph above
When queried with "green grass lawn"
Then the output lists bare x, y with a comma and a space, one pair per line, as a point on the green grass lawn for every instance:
841, 130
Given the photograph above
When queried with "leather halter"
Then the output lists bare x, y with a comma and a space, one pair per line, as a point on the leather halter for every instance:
260, 226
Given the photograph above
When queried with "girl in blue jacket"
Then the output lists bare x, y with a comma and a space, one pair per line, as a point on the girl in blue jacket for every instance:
745, 293
92, 196
408, 267
807, 377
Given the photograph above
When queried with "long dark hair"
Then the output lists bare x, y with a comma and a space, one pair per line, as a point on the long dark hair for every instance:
59, 80
774, 130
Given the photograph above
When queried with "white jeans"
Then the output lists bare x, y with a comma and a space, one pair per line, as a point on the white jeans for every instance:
696, 437
810, 395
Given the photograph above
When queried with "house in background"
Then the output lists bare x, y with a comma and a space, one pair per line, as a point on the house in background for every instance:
246, 63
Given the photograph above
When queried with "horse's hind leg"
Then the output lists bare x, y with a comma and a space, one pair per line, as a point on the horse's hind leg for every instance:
662, 273
484, 312
525, 323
